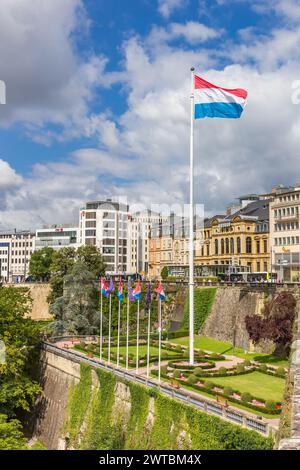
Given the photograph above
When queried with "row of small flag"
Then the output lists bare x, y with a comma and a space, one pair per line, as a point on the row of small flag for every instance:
133, 294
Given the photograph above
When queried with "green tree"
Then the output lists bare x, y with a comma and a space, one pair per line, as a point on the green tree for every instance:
62, 262
92, 258
40, 263
164, 273
11, 436
18, 390
76, 311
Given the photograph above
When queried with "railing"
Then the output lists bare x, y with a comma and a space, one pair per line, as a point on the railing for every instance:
202, 404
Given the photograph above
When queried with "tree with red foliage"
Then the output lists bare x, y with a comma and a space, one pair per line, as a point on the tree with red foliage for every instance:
276, 324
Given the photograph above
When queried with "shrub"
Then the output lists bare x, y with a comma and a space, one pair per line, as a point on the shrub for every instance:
228, 391
209, 385
247, 397
164, 370
198, 371
192, 379
168, 345
240, 368
263, 368
164, 355
201, 353
271, 405
280, 372
178, 348
247, 363
222, 370
176, 373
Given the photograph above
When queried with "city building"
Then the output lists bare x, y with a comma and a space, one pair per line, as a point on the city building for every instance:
285, 233
16, 248
139, 226
238, 242
57, 236
104, 224
168, 246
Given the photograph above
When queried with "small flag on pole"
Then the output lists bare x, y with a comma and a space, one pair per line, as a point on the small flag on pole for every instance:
120, 291
137, 292
214, 101
104, 288
111, 287
161, 292
130, 293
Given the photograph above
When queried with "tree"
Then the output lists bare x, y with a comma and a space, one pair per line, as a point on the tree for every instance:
164, 273
11, 436
276, 324
76, 311
62, 262
18, 390
40, 263
92, 258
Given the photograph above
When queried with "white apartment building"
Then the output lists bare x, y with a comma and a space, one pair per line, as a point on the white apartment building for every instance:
285, 232
139, 226
16, 248
105, 225
57, 236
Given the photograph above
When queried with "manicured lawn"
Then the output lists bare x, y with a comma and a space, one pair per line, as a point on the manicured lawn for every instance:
142, 351
213, 345
258, 384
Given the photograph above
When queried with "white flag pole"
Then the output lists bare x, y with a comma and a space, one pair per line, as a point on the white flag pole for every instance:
109, 327
127, 327
118, 340
137, 336
191, 226
101, 321
159, 339
148, 340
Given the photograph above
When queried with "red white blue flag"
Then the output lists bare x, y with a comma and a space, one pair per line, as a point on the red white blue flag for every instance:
214, 101
160, 290
137, 292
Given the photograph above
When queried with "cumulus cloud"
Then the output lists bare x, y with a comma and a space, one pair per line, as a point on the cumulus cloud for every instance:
143, 154
166, 7
46, 80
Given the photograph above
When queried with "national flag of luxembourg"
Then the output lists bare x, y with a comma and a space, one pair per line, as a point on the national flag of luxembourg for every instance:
120, 291
214, 101
137, 292
104, 288
161, 292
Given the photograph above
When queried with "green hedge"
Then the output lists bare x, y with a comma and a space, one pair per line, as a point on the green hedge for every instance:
203, 302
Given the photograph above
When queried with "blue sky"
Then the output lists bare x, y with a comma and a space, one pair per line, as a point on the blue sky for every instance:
97, 102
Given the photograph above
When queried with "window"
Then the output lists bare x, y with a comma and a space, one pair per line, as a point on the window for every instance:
265, 246
222, 246
248, 245
238, 241
90, 215
257, 246
231, 246
258, 266
227, 246
216, 247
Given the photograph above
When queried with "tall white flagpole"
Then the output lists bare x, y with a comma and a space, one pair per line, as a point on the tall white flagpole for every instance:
109, 327
118, 341
101, 321
127, 327
159, 339
148, 340
137, 336
191, 224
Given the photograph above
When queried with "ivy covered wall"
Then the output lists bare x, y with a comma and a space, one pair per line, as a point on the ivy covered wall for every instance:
105, 413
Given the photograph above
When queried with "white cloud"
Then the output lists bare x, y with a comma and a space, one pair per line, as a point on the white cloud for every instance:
167, 7
192, 32
46, 80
